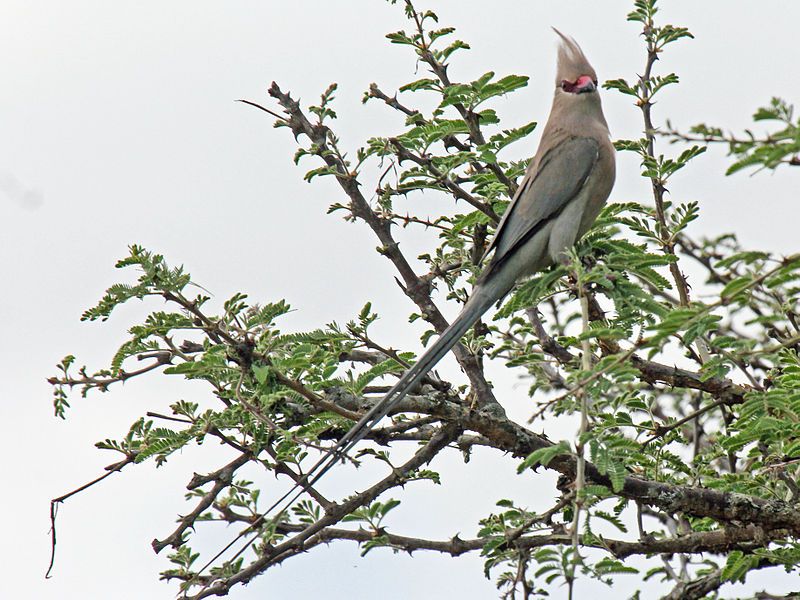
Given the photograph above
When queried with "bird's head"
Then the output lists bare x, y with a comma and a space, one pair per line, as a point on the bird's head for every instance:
574, 75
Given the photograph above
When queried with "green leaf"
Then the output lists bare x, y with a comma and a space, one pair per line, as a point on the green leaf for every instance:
621, 86
737, 565
261, 373
543, 456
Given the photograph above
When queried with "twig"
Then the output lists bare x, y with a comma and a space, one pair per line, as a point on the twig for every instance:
222, 479
56, 501
413, 286
662, 430
586, 365
298, 543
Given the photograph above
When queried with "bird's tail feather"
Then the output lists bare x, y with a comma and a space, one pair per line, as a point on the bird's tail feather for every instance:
477, 304
472, 311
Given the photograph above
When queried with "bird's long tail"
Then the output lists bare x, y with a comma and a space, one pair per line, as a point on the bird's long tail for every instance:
478, 303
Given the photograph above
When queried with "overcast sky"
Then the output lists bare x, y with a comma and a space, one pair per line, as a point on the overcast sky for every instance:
119, 126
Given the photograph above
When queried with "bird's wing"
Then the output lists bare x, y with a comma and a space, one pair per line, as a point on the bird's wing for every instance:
543, 193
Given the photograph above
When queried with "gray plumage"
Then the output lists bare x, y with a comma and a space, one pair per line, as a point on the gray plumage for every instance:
558, 199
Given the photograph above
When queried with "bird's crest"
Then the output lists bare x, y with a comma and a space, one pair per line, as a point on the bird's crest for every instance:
572, 62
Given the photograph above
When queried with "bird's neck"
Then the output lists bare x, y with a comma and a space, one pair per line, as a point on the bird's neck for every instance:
578, 114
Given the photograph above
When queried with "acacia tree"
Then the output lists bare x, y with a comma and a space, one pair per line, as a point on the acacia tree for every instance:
689, 443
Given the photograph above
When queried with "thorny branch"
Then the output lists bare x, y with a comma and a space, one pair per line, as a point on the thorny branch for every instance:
658, 186
415, 288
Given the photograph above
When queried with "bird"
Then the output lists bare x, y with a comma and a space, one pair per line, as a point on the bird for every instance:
561, 194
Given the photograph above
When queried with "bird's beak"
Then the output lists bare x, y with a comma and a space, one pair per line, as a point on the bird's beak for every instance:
584, 85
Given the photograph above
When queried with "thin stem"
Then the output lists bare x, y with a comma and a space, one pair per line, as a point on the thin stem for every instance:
580, 468
56, 501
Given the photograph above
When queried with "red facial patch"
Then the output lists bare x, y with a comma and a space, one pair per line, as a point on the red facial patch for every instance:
573, 87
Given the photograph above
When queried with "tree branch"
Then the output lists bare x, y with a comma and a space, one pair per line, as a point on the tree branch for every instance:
414, 287
298, 543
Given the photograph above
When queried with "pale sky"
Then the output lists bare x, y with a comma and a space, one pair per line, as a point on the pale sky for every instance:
119, 126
